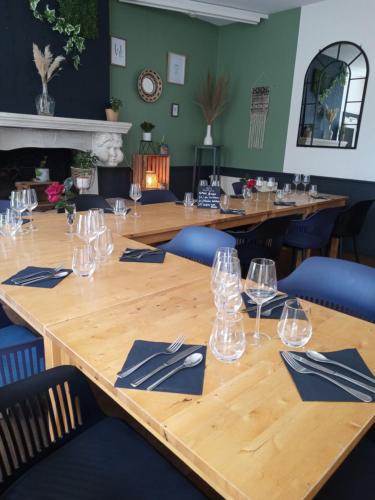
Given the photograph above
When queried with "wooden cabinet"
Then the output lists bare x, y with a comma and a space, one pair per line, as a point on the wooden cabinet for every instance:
160, 164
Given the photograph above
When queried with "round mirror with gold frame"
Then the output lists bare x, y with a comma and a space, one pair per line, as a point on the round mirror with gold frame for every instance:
150, 85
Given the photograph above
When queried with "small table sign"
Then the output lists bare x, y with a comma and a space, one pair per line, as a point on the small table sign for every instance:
209, 197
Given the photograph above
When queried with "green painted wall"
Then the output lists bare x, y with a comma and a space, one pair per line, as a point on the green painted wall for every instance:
256, 56
150, 34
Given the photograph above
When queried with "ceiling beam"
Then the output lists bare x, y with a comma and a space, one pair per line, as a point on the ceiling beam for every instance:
196, 8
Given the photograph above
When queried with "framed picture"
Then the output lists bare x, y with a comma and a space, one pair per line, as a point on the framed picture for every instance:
118, 51
176, 68
175, 110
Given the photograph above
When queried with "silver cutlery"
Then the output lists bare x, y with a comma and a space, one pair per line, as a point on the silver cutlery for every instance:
268, 312
170, 362
56, 276
321, 368
317, 356
306, 371
280, 296
189, 362
171, 349
25, 277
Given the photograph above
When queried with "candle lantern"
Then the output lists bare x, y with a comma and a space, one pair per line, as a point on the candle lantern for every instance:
151, 180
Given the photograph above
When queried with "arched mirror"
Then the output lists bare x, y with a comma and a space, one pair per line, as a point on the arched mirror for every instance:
333, 97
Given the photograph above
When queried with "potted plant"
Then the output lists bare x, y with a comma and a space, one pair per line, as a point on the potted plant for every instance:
147, 131
84, 163
212, 99
112, 112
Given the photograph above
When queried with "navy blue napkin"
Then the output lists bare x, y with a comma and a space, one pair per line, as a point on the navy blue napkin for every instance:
276, 313
186, 381
111, 210
313, 388
232, 211
46, 283
320, 197
284, 203
156, 257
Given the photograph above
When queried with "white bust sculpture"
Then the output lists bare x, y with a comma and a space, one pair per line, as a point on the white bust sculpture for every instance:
107, 147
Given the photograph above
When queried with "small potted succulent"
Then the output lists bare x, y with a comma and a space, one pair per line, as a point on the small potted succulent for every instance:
147, 131
84, 163
112, 112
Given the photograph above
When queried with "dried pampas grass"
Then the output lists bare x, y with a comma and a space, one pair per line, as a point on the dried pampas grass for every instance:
45, 64
212, 98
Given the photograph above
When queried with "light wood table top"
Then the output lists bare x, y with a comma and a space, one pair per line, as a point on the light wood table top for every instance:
249, 435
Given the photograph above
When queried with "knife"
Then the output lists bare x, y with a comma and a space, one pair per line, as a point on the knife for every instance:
321, 368
278, 297
169, 362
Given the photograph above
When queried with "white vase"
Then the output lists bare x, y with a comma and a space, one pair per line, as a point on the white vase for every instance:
83, 182
147, 136
208, 141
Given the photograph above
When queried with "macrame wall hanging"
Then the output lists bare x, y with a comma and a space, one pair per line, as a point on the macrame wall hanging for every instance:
260, 98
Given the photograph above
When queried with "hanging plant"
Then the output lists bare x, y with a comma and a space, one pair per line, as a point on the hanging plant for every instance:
83, 13
75, 43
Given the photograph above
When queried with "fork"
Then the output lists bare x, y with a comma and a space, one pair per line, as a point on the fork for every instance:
171, 349
26, 277
305, 371
267, 313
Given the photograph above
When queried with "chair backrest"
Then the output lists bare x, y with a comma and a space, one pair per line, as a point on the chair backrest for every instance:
21, 361
86, 201
319, 224
237, 187
39, 415
157, 196
262, 240
338, 284
4, 204
351, 220
199, 243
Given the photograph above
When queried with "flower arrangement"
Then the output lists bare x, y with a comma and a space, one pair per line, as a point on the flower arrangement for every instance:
213, 97
60, 194
47, 66
249, 183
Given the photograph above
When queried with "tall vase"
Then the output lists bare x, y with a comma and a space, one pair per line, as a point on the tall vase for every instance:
208, 141
45, 104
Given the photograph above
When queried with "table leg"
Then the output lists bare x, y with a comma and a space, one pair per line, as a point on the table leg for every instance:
52, 353
333, 248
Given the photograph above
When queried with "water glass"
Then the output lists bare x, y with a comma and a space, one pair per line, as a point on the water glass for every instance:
224, 202
83, 261
247, 193
313, 191
120, 207
228, 340
227, 285
305, 182
18, 203
97, 215
294, 327
10, 223
279, 195
287, 190
104, 244
189, 200
259, 185
296, 181
260, 286
31, 202
135, 194
86, 229
70, 211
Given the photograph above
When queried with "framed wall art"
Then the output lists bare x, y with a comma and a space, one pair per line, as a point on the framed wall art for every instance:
176, 68
118, 51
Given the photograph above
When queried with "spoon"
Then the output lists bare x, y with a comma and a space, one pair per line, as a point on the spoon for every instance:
317, 356
56, 276
189, 362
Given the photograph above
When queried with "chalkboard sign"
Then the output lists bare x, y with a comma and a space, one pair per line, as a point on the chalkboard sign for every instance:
208, 197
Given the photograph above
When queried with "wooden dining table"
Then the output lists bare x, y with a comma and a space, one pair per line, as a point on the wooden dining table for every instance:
249, 435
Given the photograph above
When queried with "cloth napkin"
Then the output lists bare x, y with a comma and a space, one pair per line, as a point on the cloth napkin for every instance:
232, 211
320, 197
313, 388
111, 210
276, 313
46, 283
157, 256
284, 203
186, 381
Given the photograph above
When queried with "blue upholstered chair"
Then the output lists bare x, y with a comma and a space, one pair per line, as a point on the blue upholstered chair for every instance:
237, 187
21, 352
338, 284
94, 457
151, 196
199, 243
4, 204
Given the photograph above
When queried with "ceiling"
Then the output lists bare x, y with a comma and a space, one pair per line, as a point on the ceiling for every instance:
261, 6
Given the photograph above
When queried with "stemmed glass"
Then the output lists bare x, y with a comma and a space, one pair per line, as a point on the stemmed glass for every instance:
17, 203
70, 211
296, 181
224, 202
97, 215
259, 185
135, 194
270, 184
260, 286
31, 202
305, 182
104, 244
86, 229
287, 189
227, 286
222, 254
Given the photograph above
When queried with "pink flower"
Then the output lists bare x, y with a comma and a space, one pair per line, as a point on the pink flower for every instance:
54, 192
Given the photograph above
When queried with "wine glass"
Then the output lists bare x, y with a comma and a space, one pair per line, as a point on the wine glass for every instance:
227, 286
296, 181
305, 182
188, 200
97, 214
313, 191
31, 202
17, 203
83, 261
135, 194
260, 286
259, 185
294, 327
86, 229
222, 254
70, 211
120, 207
287, 190
270, 183
228, 340
104, 244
